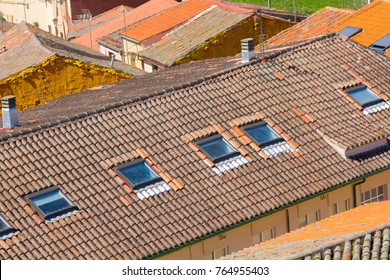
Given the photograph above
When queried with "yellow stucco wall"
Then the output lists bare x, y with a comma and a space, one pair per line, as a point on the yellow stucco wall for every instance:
241, 237
53, 78
229, 42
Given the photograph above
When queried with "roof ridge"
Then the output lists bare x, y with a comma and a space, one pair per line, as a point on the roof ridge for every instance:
119, 104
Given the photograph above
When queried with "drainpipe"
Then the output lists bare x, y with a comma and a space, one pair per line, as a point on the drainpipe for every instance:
354, 186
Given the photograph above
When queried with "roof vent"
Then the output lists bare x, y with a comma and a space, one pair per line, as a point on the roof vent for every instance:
247, 49
10, 114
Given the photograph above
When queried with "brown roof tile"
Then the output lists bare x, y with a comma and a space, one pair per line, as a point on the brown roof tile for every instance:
155, 118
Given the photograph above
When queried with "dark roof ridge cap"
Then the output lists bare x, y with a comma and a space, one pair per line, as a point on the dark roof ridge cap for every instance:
281, 50
340, 240
116, 105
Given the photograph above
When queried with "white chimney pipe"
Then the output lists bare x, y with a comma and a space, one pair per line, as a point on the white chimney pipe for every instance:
247, 49
10, 114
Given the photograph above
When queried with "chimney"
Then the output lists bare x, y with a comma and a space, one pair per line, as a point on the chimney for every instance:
247, 49
10, 115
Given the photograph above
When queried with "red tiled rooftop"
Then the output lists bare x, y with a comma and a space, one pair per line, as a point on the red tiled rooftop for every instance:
146, 10
328, 232
168, 19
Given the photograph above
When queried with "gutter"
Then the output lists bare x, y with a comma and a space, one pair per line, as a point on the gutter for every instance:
356, 182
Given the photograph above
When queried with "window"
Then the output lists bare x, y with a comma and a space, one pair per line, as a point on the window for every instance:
381, 45
216, 254
373, 195
138, 174
309, 218
262, 134
364, 96
5, 227
349, 31
264, 236
50, 202
155, 67
340, 207
217, 148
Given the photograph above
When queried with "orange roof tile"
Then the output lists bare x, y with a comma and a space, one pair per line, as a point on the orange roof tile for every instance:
316, 25
148, 9
167, 20
346, 225
374, 19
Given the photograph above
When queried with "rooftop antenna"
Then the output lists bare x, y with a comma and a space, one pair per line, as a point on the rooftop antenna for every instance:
262, 36
87, 16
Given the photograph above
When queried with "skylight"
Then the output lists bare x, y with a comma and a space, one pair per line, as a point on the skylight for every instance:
262, 134
349, 31
138, 174
382, 44
364, 96
217, 148
51, 202
5, 227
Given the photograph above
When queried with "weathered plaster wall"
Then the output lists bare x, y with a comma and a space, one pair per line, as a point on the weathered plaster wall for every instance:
229, 42
54, 78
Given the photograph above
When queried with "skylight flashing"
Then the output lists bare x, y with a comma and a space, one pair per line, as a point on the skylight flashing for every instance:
364, 96
349, 31
138, 174
50, 203
381, 45
217, 148
6, 230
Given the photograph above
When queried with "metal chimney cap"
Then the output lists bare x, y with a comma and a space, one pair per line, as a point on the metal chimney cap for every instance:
8, 101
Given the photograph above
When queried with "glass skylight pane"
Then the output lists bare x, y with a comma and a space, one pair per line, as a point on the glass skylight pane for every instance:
349, 31
364, 96
382, 44
262, 134
138, 174
217, 148
4, 227
50, 202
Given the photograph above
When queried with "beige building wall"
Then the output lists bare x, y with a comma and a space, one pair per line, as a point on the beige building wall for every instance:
131, 51
282, 221
48, 15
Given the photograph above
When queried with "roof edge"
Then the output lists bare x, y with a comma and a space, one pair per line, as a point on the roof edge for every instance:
268, 213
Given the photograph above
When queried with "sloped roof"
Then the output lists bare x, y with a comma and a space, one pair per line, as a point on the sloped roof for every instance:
362, 233
5, 26
373, 18
132, 16
167, 20
318, 24
21, 39
112, 223
81, 27
191, 35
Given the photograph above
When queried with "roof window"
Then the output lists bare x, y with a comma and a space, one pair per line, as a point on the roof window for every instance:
349, 31
138, 174
50, 203
381, 45
5, 228
364, 96
262, 134
217, 148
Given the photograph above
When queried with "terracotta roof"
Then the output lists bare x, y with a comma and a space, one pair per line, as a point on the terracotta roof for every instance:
22, 38
77, 154
5, 26
191, 35
373, 18
167, 20
362, 233
318, 24
132, 16
82, 26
